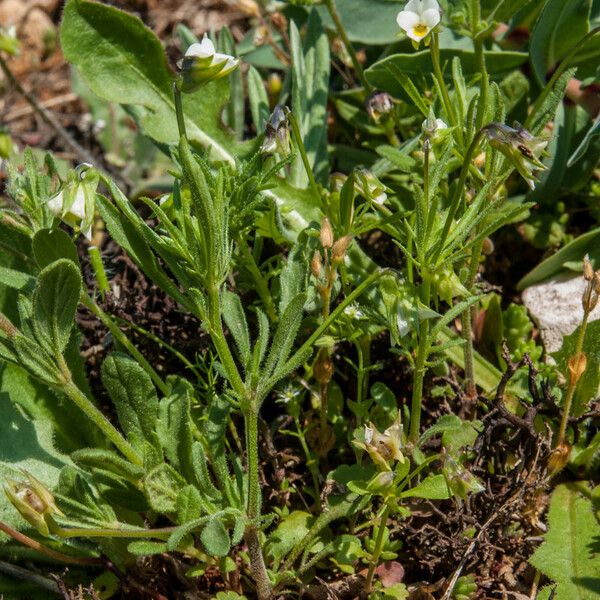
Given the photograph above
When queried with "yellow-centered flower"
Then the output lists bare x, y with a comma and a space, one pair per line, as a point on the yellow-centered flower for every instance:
418, 18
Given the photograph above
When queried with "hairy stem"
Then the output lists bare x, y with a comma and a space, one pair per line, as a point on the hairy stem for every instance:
467, 322
420, 368
97, 417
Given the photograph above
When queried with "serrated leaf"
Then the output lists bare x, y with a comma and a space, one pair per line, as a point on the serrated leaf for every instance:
569, 554
55, 301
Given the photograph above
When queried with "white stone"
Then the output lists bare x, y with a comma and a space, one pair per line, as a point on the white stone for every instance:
555, 306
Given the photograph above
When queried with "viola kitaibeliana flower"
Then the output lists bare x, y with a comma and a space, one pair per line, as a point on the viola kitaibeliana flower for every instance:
202, 64
418, 18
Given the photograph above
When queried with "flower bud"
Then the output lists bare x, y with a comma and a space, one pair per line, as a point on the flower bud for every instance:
383, 448
8, 41
339, 249
316, 264
379, 104
460, 481
520, 147
75, 203
323, 371
577, 365
487, 246
33, 501
369, 187
277, 134
279, 21
431, 126
588, 270
249, 7
202, 64
7, 327
326, 234
274, 85
559, 458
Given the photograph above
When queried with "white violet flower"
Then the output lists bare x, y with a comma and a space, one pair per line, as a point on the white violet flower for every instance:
75, 203
202, 63
418, 18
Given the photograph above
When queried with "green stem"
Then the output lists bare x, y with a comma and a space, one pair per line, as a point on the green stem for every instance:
458, 191
95, 415
363, 349
162, 533
221, 345
420, 368
301, 148
467, 322
437, 70
98, 267
179, 110
254, 492
572, 383
311, 461
378, 548
122, 339
335, 16
262, 287
319, 331
257, 563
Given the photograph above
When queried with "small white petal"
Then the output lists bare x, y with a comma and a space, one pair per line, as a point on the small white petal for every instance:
413, 6
430, 5
380, 199
55, 204
439, 124
78, 207
204, 49
430, 18
407, 20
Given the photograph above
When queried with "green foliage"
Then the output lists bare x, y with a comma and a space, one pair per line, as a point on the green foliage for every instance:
289, 270
568, 555
122, 61
55, 301
134, 396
